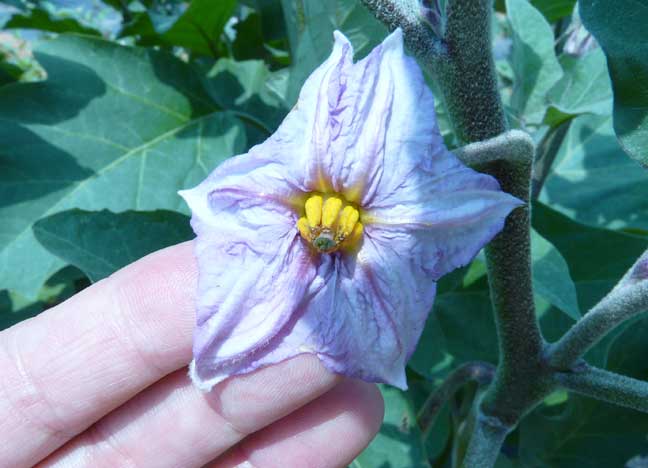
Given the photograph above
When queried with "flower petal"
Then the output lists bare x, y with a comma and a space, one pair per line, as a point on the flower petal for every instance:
367, 131
362, 317
446, 211
253, 268
352, 110
368, 319
373, 121
300, 134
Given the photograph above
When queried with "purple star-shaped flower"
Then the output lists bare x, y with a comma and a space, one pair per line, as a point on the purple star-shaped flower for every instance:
328, 237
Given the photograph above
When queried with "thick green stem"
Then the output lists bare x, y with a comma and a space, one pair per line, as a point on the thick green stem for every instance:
621, 304
486, 441
461, 61
606, 386
514, 147
463, 67
509, 157
465, 72
521, 374
480, 372
405, 14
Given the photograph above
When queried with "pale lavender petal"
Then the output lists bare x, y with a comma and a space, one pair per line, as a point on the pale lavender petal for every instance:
302, 136
353, 109
362, 317
446, 211
368, 132
253, 267
367, 325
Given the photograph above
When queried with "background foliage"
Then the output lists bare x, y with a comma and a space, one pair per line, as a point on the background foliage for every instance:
108, 109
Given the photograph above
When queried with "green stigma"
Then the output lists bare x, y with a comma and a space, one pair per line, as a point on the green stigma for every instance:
324, 243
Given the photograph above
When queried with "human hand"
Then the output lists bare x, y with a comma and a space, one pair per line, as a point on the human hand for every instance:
101, 380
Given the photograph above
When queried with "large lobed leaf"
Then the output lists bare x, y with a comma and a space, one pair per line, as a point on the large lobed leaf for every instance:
198, 28
620, 26
101, 242
310, 23
42, 20
551, 277
597, 260
588, 433
112, 127
583, 89
534, 61
593, 182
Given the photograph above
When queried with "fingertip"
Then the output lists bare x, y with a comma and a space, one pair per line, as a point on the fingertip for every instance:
369, 407
156, 297
328, 432
271, 392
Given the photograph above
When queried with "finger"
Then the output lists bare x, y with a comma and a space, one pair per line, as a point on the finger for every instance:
173, 424
66, 368
327, 433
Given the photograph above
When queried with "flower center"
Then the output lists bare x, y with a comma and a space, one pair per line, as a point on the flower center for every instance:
330, 223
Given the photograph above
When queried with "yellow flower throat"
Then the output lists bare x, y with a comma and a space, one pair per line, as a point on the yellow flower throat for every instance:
330, 223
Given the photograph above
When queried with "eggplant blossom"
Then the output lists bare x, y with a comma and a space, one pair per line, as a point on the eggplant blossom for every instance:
328, 238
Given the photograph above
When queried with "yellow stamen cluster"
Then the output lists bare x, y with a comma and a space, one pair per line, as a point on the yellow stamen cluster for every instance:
330, 223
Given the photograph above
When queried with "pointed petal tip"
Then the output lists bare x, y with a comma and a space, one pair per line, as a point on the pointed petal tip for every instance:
515, 202
204, 385
340, 37
394, 41
401, 383
190, 195
184, 193
342, 44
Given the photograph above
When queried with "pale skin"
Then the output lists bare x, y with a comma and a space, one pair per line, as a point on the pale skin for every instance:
101, 380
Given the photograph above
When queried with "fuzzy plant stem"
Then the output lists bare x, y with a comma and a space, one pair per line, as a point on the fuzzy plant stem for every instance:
521, 375
480, 372
509, 157
465, 72
626, 300
487, 438
460, 60
606, 386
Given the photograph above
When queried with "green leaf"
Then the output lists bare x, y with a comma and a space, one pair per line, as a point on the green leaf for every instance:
272, 22
551, 278
42, 20
597, 260
593, 182
262, 34
620, 28
534, 61
588, 433
198, 29
399, 442
64, 283
567, 433
459, 329
113, 127
249, 88
554, 10
584, 88
9, 73
310, 25
101, 242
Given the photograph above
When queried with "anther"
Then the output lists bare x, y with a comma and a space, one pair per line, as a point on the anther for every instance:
330, 223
